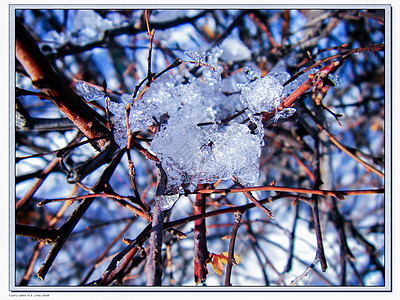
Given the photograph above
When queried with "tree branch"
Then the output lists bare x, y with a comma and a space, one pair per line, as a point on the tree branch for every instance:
201, 253
232, 236
153, 267
46, 79
70, 224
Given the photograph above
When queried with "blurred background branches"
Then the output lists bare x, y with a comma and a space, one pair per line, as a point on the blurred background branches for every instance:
93, 226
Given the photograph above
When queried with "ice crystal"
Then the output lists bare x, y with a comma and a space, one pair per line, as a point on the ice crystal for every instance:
88, 92
335, 79
208, 60
199, 58
192, 154
83, 27
166, 201
284, 113
235, 50
293, 85
251, 74
139, 119
262, 94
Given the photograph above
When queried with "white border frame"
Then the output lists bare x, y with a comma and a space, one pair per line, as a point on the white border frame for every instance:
388, 151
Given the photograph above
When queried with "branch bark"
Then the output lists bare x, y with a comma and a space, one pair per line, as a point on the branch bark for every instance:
315, 210
201, 253
153, 267
231, 259
70, 224
47, 80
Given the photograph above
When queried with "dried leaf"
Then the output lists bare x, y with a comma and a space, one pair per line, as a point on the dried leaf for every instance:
219, 260
218, 266
237, 258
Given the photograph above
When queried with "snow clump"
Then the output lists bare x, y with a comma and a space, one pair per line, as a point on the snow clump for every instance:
264, 94
192, 154
83, 27
193, 144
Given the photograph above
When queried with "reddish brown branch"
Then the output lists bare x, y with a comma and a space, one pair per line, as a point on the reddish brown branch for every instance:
333, 193
318, 78
250, 196
201, 253
103, 255
125, 256
46, 79
153, 266
124, 200
246, 207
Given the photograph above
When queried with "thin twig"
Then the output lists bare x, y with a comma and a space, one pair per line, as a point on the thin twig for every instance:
29, 270
315, 209
50, 167
306, 272
150, 33
338, 194
103, 255
86, 168
231, 259
253, 199
61, 150
343, 54
334, 141
119, 198
242, 208
124, 256
70, 224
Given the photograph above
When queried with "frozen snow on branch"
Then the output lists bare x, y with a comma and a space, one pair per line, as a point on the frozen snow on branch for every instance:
264, 94
83, 27
192, 144
88, 92
166, 201
208, 60
192, 154
235, 50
